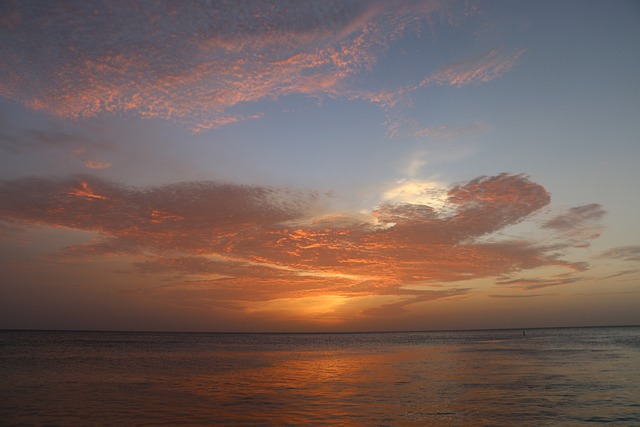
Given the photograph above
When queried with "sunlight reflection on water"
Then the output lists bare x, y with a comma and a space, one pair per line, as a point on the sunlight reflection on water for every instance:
551, 377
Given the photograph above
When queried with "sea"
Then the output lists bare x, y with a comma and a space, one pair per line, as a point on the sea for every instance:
536, 377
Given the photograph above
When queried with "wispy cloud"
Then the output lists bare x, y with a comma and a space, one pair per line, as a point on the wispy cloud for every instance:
576, 217
506, 296
579, 225
480, 69
17, 140
249, 243
399, 306
620, 273
197, 62
94, 164
627, 253
451, 131
79, 145
533, 284
207, 64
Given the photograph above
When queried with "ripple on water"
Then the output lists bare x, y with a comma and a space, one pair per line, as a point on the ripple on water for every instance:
553, 377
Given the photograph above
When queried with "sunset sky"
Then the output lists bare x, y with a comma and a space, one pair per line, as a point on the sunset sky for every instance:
319, 165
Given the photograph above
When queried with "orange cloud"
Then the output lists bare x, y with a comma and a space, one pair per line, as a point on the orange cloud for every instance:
238, 244
85, 191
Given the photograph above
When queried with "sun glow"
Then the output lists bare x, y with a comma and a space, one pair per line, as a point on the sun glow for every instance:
320, 310
429, 193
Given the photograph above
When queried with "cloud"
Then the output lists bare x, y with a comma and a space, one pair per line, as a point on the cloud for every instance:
451, 131
241, 244
208, 64
18, 140
9, 230
620, 273
78, 145
626, 253
400, 126
431, 193
198, 63
480, 69
579, 225
399, 306
533, 284
97, 165
518, 296
576, 217
202, 211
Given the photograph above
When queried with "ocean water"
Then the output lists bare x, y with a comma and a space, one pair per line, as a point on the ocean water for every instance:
550, 377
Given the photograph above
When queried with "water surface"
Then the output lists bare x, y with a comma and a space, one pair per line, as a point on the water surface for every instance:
574, 376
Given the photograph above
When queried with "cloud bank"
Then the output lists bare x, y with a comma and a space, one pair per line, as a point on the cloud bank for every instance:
231, 245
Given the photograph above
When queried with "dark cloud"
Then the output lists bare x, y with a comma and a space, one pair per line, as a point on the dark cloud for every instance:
533, 284
518, 296
576, 217
18, 141
399, 306
578, 226
620, 273
9, 230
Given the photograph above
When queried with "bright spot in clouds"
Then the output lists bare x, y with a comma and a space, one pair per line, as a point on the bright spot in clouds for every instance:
429, 193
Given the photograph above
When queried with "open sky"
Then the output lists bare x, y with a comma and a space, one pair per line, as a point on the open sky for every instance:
319, 165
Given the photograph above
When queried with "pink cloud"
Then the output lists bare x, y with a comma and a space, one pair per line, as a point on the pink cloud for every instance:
196, 63
91, 164
480, 69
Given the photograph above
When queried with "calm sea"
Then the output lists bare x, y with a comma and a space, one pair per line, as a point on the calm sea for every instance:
563, 377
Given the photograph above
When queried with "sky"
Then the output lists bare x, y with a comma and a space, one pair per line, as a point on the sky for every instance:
319, 165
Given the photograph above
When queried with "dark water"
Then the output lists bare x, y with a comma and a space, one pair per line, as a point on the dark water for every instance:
554, 377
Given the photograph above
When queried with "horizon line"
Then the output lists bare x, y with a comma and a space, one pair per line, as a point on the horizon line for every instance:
315, 332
